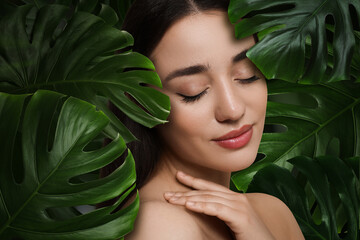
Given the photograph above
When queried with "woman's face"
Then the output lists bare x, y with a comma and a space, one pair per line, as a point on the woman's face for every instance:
218, 97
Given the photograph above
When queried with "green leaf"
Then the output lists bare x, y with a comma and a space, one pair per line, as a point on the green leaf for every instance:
116, 9
121, 7
324, 175
324, 120
42, 154
281, 54
75, 54
108, 14
87, 5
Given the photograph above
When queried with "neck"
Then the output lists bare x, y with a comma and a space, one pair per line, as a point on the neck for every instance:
170, 164
163, 178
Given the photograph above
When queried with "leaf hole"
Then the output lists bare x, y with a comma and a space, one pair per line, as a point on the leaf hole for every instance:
330, 27
344, 231
121, 205
94, 175
62, 213
260, 156
310, 54
354, 17
275, 128
83, 209
298, 99
329, 20
29, 23
84, 178
129, 96
96, 143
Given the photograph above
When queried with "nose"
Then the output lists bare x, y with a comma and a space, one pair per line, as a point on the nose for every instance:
230, 107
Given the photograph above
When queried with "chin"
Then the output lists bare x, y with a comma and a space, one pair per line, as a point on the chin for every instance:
239, 162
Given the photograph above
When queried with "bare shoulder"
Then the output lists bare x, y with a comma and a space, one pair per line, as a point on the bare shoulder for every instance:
160, 220
276, 215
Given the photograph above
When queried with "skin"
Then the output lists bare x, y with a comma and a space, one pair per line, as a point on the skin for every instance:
224, 96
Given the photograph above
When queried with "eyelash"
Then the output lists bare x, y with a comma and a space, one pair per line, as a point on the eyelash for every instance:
248, 80
195, 98
189, 99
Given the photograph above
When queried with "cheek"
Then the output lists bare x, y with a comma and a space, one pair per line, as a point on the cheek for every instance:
186, 120
257, 99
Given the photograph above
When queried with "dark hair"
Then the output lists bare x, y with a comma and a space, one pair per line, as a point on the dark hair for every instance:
147, 21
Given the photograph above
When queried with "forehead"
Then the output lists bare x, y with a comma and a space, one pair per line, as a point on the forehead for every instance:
201, 38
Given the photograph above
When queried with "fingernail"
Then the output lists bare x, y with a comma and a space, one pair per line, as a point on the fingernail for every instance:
168, 194
178, 194
174, 198
181, 174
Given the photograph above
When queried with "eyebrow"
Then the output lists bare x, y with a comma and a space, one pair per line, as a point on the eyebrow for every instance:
196, 69
240, 56
187, 71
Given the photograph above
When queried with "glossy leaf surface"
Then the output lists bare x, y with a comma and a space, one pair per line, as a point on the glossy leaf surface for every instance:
75, 53
324, 120
42, 158
288, 25
335, 189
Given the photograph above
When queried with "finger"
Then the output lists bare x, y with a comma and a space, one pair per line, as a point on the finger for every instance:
198, 183
231, 195
202, 198
216, 209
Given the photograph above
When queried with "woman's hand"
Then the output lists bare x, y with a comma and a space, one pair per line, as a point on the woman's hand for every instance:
215, 200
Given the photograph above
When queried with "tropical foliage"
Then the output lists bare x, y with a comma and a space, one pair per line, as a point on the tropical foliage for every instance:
326, 113
46, 48
289, 25
316, 43
75, 52
323, 119
324, 196
42, 158
48, 152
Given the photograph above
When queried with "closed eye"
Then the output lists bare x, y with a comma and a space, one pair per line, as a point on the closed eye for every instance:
248, 80
194, 98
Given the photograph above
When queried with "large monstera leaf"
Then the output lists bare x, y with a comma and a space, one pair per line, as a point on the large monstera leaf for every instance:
324, 120
289, 25
43, 158
52, 47
332, 210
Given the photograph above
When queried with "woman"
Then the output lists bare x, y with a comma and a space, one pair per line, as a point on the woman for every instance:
218, 103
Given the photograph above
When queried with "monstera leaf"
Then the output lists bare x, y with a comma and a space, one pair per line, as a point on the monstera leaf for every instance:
333, 211
98, 7
52, 47
324, 120
288, 25
43, 159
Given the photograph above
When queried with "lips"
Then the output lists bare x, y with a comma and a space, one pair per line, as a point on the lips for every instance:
236, 138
